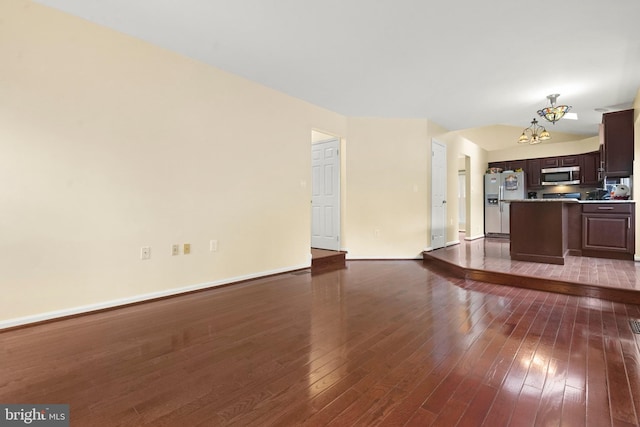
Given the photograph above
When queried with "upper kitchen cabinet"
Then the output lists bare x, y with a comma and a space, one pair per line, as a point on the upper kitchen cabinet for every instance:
617, 137
534, 177
510, 165
590, 169
566, 161
549, 162
517, 164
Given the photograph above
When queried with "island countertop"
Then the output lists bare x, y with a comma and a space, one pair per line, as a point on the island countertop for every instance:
546, 230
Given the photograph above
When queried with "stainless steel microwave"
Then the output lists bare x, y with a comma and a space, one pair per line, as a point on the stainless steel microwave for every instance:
561, 176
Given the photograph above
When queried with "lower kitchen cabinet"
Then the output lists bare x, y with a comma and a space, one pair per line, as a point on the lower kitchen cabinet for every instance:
608, 230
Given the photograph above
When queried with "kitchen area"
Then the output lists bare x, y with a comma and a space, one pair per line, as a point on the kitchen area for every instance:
575, 204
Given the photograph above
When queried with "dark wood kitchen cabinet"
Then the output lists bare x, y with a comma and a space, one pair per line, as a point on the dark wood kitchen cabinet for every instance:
608, 230
509, 165
534, 176
617, 136
560, 161
517, 164
549, 162
500, 165
566, 161
590, 175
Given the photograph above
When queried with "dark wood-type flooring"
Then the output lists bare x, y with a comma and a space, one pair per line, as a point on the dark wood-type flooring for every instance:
379, 343
489, 260
323, 260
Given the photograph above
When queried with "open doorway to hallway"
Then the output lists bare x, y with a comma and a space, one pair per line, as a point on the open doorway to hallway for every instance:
326, 198
462, 193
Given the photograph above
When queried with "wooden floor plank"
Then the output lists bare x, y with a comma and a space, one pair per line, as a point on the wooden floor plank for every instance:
378, 343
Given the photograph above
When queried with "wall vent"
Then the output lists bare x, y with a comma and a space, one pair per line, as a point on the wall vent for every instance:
635, 325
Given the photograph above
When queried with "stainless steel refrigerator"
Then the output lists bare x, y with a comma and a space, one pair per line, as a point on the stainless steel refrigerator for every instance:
499, 190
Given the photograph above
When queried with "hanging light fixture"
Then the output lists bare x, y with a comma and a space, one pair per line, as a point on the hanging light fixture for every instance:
555, 112
534, 134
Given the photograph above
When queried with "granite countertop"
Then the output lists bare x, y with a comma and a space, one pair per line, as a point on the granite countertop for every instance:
569, 201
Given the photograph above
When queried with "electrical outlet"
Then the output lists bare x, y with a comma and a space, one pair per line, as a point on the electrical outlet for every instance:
213, 245
186, 249
145, 252
175, 250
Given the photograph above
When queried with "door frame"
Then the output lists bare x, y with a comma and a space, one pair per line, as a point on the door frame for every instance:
433, 198
339, 141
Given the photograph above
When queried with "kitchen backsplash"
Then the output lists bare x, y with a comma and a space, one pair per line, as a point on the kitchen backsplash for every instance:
565, 189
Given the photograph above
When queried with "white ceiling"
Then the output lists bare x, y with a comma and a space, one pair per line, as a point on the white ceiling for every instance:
463, 64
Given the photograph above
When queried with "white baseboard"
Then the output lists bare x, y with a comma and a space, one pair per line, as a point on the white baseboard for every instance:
454, 242
636, 257
85, 309
381, 258
479, 236
428, 249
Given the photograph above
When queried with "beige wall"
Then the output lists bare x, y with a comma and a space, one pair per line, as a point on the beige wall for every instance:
110, 144
458, 146
388, 187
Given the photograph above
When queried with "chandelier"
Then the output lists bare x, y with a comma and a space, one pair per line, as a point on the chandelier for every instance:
555, 112
534, 134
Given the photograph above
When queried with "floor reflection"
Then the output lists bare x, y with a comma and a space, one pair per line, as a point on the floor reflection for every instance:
492, 254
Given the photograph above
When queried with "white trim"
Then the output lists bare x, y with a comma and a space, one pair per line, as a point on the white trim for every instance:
85, 309
479, 236
427, 249
455, 242
636, 257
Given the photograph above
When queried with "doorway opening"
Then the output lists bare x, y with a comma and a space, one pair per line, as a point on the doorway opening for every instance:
438, 194
463, 193
326, 202
325, 194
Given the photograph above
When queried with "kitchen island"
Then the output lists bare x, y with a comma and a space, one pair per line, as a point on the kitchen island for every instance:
547, 230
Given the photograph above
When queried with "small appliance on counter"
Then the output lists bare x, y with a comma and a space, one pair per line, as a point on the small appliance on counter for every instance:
620, 192
618, 188
532, 195
598, 194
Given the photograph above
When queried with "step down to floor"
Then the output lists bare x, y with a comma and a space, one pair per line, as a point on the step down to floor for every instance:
323, 260
548, 284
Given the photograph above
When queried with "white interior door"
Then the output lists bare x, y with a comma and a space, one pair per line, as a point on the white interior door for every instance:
438, 194
325, 200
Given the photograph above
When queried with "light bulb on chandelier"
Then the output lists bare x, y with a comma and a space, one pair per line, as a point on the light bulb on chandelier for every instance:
534, 134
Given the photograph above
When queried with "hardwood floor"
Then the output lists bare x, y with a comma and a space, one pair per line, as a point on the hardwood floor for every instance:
489, 260
323, 260
378, 343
